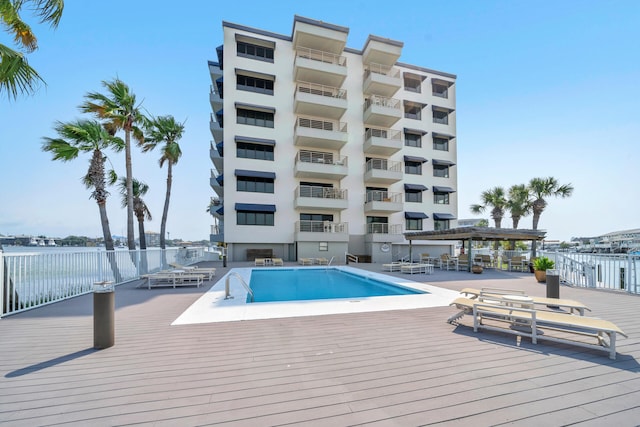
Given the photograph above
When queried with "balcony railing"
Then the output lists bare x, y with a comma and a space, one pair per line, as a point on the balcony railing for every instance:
391, 134
306, 156
318, 55
385, 70
384, 164
322, 90
321, 192
322, 227
382, 101
381, 228
384, 196
320, 124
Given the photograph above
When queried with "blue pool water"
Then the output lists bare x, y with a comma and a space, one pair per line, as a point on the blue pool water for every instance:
321, 283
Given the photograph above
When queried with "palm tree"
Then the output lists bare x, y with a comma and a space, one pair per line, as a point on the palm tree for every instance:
119, 110
16, 75
87, 136
165, 130
140, 208
494, 198
519, 204
541, 188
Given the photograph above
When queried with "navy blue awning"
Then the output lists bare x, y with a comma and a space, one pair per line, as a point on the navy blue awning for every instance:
251, 207
438, 189
220, 117
254, 140
442, 135
414, 187
414, 159
442, 162
219, 53
220, 210
255, 174
415, 215
220, 86
263, 108
443, 216
220, 147
220, 179
415, 131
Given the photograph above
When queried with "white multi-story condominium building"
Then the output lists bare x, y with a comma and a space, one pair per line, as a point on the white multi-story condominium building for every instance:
320, 149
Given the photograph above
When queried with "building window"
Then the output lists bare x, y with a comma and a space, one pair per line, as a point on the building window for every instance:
412, 139
377, 225
413, 224
314, 223
254, 184
413, 110
413, 196
247, 150
323, 246
254, 84
413, 168
439, 90
254, 218
441, 171
254, 51
441, 117
412, 83
441, 198
254, 118
377, 194
441, 144
440, 224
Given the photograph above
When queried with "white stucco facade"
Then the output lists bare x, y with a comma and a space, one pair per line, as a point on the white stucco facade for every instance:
336, 121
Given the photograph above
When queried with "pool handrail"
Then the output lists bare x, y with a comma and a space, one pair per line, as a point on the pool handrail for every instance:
227, 293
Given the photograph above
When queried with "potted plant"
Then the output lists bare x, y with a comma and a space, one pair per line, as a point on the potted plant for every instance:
540, 267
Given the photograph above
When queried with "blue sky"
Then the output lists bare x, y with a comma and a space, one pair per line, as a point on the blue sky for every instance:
546, 88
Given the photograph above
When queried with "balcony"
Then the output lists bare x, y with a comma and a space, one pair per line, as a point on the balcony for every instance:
381, 80
382, 142
382, 233
381, 51
320, 133
216, 183
383, 202
215, 100
313, 164
441, 115
382, 111
320, 67
320, 100
319, 35
321, 231
216, 158
322, 198
216, 129
382, 171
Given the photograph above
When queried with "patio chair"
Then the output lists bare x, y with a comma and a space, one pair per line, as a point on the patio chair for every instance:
277, 262
463, 262
322, 261
305, 261
260, 262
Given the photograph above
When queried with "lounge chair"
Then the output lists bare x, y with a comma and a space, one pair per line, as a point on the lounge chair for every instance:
208, 271
528, 322
322, 261
173, 278
417, 268
277, 262
305, 261
394, 266
260, 262
486, 293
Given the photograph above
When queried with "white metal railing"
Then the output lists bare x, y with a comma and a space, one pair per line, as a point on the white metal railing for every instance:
384, 164
391, 134
322, 90
319, 55
382, 228
605, 271
305, 226
33, 279
350, 257
306, 156
321, 124
227, 292
383, 196
320, 192
382, 101
385, 70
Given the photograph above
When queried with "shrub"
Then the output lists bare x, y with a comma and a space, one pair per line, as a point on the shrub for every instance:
543, 264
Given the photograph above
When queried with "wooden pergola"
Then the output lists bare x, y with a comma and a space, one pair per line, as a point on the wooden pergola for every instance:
469, 234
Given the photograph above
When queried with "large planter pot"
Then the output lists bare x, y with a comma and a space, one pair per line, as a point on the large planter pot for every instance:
476, 269
541, 275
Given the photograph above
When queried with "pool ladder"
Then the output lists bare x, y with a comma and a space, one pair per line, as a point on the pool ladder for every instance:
227, 293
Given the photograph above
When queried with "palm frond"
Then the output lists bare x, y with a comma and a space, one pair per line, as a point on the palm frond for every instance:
16, 76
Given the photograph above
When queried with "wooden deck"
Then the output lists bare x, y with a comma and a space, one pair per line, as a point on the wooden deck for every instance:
393, 368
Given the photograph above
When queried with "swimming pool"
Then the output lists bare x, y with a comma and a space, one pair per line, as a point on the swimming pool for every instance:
318, 283
214, 307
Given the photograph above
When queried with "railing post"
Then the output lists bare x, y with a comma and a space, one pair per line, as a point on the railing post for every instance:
2, 290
